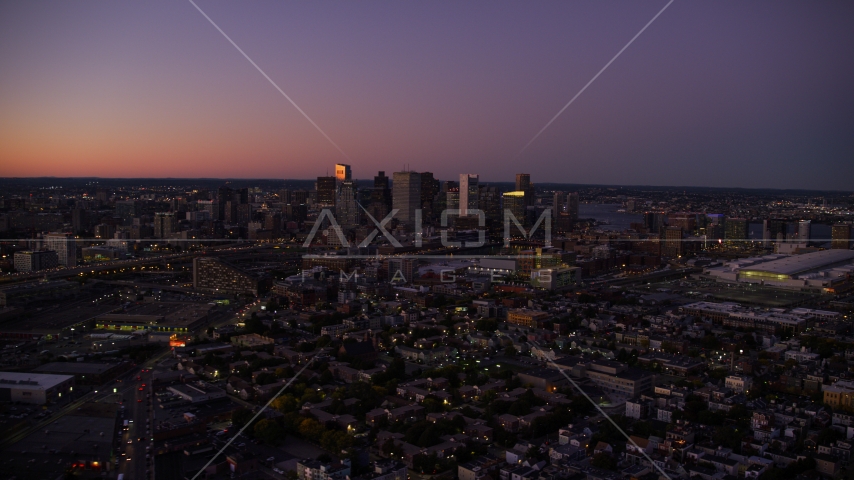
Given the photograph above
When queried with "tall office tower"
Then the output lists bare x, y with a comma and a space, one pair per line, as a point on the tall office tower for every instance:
653, 221
229, 212
559, 203
686, 221
406, 196
79, 220
673, 242
468, 193
104, 231
515, 202
713, 226
299, 197
735, 229
523, 184
346, 207
223, 195
452, 196
489, 202
65, 247
429, 190
840, 236
285, 196
523, 181
273, 223
804, 227
164, 224
572, 205
326, 187
380, 201
244, 214
343, 172
777, 229
560, 212
241, 196
127, 210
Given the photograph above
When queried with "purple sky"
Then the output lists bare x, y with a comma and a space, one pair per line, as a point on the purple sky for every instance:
724, 93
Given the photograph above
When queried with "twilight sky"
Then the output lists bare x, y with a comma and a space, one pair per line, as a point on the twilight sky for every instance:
723, 93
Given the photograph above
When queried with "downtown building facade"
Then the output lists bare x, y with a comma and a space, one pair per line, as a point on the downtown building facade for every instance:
213, 275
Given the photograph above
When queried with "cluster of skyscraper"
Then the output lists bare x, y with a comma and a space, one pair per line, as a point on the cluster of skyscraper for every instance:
419, 198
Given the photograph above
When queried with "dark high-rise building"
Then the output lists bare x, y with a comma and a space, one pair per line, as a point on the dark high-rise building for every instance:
572, 206
559, 203
127, 210
840, 236
406, 196
429, 191
452, 195
79, 220
223, 195
244, 214
380, 203
673, 242
165, 224
297, 212
776, 229
515, 203
736, 229
523, 184
523, 181
654, 221
273, 223
490, 203
299, 197
285, 196
326, 191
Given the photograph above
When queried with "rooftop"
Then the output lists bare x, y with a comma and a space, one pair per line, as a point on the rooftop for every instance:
38, 381
797, 264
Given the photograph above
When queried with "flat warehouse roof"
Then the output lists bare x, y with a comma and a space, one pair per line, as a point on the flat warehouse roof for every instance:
32, 381
796, 264
76, 367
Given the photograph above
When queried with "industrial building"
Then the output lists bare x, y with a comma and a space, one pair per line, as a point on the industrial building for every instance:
34, 388
826, 270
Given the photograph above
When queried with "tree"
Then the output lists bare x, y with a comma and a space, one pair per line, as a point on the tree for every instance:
604, 460
268, 431
240, 417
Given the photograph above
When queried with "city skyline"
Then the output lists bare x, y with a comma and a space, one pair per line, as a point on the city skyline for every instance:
711, 95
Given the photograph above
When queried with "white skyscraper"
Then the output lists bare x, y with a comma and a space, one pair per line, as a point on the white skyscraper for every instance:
468, 193
804, 230
65, 247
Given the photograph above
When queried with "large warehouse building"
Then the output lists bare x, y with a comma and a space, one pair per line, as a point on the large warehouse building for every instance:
34, 388
827, 270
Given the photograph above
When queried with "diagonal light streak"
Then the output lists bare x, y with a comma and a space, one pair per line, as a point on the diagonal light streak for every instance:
596, 405
592, 79
271, 80
282, 390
